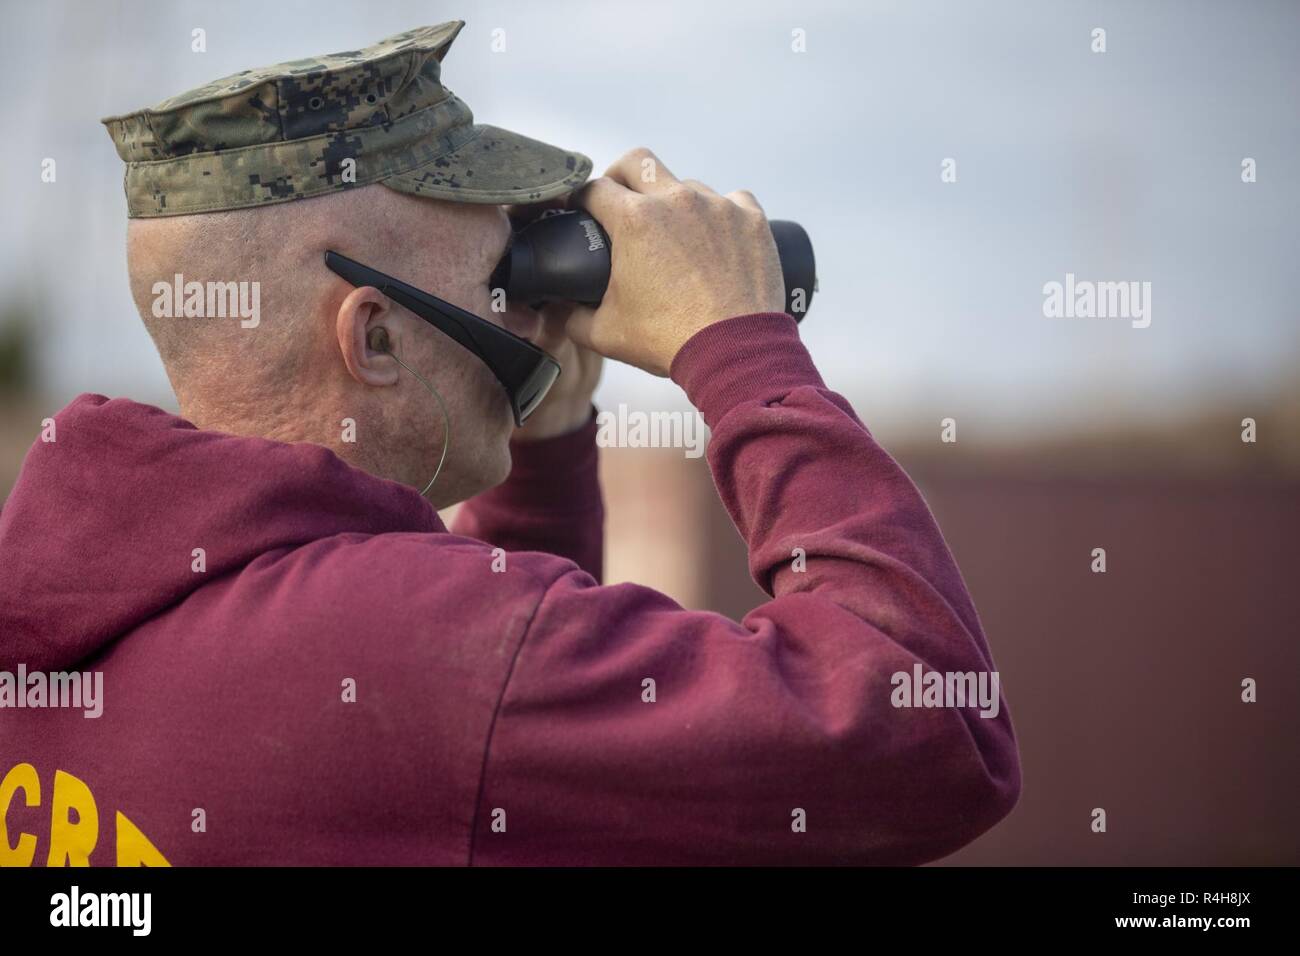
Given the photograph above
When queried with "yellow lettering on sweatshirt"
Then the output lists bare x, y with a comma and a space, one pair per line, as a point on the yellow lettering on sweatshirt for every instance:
22, 777
74, 824
72, 841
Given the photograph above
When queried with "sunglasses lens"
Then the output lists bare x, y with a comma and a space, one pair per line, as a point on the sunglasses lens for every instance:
536, 387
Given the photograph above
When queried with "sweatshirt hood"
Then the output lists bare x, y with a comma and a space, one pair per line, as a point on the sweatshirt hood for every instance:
101, 530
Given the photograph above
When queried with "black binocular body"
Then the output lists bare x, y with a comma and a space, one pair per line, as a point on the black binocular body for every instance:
565, 256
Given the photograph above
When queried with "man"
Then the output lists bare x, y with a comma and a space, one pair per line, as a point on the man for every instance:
301, 664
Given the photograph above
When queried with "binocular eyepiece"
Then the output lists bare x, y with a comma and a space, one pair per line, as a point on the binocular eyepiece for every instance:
564, 256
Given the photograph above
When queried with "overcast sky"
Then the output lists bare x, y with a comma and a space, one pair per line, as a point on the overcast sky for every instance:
1123, 165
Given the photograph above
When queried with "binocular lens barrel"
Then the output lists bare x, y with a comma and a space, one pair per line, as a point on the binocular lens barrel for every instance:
564, 256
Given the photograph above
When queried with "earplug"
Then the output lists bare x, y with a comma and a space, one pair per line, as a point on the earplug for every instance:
377, 341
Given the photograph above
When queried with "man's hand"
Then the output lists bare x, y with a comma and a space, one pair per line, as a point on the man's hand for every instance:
683, 257
567, 405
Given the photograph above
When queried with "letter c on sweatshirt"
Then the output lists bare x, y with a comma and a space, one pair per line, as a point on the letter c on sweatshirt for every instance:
22, 777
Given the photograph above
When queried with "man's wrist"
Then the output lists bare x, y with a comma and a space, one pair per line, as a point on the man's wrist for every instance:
556, 422
756, 357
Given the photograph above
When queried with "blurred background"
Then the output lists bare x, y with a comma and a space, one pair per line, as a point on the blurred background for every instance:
1072, 433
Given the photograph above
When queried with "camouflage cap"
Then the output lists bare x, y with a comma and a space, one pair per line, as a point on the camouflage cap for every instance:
327, 123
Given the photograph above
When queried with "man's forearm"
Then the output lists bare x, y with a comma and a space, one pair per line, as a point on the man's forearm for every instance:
797, 707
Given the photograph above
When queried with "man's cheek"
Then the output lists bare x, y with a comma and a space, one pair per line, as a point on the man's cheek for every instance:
494, 405
484, 303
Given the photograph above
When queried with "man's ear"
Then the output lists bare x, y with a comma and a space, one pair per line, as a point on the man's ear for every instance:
366, 318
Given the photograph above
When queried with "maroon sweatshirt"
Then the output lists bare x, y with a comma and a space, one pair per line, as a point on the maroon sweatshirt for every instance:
336, 678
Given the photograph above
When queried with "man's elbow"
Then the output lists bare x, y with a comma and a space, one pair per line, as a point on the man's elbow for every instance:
949, 783
990, 799
969, 797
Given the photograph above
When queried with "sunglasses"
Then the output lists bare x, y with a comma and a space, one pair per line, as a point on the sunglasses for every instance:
524, 371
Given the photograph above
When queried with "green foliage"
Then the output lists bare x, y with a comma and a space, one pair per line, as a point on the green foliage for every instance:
17, 348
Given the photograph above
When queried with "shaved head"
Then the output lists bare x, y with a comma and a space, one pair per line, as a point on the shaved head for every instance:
304, 367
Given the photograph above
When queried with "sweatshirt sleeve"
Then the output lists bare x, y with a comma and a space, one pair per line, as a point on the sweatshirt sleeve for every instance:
634, 731
550, 502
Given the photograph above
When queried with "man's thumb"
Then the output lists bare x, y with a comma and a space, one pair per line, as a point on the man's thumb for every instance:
581, 326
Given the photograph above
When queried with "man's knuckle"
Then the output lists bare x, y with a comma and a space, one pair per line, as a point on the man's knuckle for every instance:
637, 215
682, 197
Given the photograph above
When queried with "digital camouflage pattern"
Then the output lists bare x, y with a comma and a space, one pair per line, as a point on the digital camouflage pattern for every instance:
313, 126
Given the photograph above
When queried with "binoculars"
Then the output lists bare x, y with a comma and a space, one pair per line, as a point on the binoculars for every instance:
564, 256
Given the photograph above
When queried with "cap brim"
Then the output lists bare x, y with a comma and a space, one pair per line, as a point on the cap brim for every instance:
497, 166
